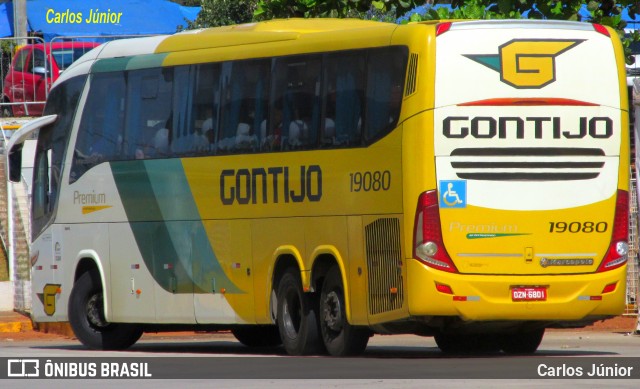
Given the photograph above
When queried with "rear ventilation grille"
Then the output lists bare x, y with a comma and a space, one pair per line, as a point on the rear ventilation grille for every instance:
527, 164
412, 75
384, 263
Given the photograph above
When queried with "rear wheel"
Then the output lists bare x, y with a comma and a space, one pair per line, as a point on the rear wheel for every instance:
340, 338
257, 336
86, 316
523, 342
297, 317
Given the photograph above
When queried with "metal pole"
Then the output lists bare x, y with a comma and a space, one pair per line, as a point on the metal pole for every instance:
20, 20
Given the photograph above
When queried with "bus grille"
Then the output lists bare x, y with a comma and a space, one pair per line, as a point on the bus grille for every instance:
527, 164
384, 264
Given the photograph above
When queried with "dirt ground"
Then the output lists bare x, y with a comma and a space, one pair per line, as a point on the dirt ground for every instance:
621, 324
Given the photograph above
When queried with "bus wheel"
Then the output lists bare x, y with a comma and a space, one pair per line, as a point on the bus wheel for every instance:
257, 336
86, 316
297, 317
523, 342
340, 337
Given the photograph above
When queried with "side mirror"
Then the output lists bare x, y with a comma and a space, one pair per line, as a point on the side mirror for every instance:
15, 163
40, 70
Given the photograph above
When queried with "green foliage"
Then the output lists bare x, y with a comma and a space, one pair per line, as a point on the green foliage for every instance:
377, 10
226, 12
222, 13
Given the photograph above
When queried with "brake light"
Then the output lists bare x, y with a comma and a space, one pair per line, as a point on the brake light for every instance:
441, 28
601, 29
428, 245
617, 254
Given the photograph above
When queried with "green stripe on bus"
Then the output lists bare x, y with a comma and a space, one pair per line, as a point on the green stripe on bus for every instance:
167, 227
110, 65
146, 61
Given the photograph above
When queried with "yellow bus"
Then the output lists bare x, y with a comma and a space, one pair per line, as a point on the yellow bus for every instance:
312, 183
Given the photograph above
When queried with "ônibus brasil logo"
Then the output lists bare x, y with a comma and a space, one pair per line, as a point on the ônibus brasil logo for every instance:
526, 63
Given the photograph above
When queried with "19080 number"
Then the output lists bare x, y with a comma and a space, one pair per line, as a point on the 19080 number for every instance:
575, 227
370, 181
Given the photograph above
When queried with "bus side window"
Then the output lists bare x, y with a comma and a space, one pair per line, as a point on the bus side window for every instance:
385, 79
207, 106
149, 113
345, 75
99, 136
297, 92
243, 106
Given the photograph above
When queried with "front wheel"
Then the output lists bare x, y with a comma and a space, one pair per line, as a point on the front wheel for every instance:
86, 316
340, 337
297, 317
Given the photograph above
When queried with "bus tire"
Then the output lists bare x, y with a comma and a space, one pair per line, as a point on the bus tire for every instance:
257, 335
86, 317
339, 337
297, 317
523, 342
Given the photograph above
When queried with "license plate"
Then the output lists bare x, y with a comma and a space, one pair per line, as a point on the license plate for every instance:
529, 294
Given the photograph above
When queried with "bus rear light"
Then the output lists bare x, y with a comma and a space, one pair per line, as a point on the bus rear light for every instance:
428, 244
441, 28
443, 288
601, 29
609, 288
617, 253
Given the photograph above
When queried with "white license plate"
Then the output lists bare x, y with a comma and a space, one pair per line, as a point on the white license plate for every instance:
529, 294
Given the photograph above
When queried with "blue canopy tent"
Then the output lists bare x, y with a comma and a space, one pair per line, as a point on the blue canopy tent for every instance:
99, 17
6, 20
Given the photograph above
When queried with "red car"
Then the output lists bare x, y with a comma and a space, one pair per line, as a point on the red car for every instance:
33, 70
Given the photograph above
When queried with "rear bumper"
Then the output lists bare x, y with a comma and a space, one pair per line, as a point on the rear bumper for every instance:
488, 297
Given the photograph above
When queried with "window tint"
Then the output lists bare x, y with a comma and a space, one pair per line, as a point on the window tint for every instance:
21, 60
149, 119
297, 105
244, 105
340, 99
196, 101
385, 80
37, 60
100, 136
345, 97
52, 141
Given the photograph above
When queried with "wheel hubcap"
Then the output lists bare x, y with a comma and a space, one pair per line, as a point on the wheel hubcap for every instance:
332, 311
95, 311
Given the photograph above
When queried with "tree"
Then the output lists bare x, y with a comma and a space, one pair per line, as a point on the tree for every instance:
216, 13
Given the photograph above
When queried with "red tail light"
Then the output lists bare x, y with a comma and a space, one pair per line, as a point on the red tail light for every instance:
617, 254
428, 246
441, 28
601, 29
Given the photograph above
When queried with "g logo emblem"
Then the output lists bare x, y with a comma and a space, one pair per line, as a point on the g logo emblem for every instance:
526, 63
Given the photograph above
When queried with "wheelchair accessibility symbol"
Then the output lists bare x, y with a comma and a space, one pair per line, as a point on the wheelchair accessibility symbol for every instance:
453, 194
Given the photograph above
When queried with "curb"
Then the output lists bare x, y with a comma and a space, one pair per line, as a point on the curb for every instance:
16, 326
59, 328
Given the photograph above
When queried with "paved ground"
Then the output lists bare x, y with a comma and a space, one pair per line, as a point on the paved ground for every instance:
17, 327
